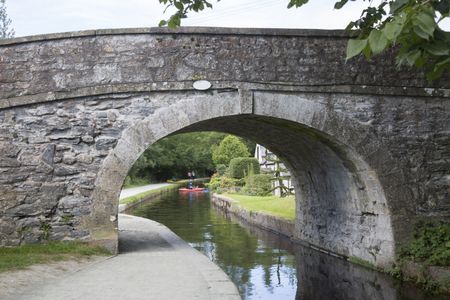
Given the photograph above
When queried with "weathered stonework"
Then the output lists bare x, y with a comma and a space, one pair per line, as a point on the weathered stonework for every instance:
262, 220
368, 146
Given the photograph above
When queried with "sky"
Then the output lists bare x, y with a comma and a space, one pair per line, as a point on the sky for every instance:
31, 17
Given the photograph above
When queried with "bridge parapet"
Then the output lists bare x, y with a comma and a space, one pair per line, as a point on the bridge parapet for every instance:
79, 63
368, 146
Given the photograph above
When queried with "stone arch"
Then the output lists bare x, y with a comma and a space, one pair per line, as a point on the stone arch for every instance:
384, 133
341, 206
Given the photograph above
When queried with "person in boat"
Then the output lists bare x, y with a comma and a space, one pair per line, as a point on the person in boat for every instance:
190, 185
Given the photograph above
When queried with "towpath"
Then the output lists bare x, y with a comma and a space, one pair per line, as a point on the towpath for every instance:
141, 189
153, 263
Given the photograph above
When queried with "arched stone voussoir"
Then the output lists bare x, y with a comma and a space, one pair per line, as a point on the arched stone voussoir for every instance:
112, 173
368, 150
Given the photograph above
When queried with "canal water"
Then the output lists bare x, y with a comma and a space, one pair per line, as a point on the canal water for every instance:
264, 265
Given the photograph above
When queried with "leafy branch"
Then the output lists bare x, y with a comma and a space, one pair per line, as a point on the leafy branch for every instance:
410, 26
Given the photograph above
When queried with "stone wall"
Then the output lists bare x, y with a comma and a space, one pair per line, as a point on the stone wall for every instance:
367, 146
265, 221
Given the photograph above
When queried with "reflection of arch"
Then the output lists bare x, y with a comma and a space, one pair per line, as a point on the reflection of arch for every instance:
340, 205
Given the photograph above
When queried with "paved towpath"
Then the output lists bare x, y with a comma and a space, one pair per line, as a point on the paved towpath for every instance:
140, 189
153, 263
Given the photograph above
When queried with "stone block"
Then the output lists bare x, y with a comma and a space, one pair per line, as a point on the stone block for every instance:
65, 170
105, 143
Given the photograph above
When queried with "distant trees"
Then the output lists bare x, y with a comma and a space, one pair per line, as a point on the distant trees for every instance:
175, 155
230, 147
5, 23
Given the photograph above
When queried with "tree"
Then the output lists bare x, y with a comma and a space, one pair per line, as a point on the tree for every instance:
409, 26
230, 147
5, 22
175, 155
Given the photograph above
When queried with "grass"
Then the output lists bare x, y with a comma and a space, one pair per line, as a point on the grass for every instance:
14, 258
272, 205
146, 194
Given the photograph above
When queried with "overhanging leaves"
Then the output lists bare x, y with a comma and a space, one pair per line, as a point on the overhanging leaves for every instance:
411, 25
377, 41
355, 47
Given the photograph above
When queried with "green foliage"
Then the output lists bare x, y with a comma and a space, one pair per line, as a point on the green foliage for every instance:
131, 182
221, 184
272, 205
12, 258
46, 228
175, 155
5, 22
395, 272
240, 167
258, 185
431, 245
214, 183
221, 169
183, 7
230, 147
412, 26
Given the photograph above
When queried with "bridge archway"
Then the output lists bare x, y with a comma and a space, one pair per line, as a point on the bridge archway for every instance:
368, 145
340, 203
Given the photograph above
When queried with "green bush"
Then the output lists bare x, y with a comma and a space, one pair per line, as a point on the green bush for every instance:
221, 169
241, 167
230, 147
431, 245
258, 185
222, 184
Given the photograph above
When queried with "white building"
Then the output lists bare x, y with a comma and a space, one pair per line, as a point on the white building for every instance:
269, 163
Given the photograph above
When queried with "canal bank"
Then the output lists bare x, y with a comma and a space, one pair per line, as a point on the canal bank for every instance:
153, 263
265, 221
264, 265
431, 278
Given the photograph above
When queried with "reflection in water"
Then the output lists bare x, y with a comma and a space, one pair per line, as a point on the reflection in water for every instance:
264, 265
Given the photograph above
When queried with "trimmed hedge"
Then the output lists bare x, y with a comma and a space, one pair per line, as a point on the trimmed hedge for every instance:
258, 185
241, 167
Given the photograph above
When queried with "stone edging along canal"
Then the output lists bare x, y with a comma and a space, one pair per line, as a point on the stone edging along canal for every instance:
268, 222
411, 270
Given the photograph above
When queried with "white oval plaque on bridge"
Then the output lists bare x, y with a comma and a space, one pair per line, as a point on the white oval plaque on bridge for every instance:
202, 85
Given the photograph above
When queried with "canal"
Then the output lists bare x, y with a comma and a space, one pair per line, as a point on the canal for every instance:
264, 265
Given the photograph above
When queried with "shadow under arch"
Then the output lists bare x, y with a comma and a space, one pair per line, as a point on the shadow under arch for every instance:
340, 203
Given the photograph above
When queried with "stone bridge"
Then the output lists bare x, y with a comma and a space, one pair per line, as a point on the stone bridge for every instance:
368, 146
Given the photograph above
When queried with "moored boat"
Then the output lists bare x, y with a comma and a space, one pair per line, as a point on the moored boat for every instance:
194, 189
